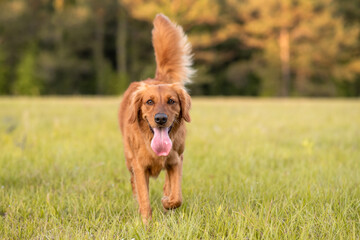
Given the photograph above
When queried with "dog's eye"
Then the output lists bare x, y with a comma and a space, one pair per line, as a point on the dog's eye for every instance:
170, 101
149, 102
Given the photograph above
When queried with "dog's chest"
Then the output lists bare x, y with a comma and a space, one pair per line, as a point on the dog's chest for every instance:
157, 164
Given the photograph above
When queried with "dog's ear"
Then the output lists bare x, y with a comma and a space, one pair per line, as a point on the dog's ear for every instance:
135, 106
185, 103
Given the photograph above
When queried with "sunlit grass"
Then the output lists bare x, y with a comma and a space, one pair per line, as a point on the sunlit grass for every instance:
266, 168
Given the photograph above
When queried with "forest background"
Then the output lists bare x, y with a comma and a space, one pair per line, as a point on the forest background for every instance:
250, 48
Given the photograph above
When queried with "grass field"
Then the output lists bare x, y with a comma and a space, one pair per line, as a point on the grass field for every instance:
254, 169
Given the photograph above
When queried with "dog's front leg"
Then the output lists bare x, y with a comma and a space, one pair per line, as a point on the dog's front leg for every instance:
174, 174
167, 187
142, 189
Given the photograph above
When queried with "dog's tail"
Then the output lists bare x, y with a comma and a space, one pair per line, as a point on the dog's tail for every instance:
172, 52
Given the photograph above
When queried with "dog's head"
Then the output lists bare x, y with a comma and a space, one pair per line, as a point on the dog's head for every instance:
161, 107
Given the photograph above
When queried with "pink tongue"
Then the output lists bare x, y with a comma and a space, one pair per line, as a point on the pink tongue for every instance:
161, 142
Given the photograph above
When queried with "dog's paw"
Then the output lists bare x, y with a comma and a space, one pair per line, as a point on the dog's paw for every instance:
170, 203
146, 215
146, 220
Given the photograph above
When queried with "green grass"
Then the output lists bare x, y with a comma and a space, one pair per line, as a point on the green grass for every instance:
254, 169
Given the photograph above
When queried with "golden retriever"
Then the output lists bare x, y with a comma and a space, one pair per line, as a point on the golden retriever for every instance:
152, 118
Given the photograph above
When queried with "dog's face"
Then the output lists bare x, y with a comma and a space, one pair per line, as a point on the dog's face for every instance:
161, 106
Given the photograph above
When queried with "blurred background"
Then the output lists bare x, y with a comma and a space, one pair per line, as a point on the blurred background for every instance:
251, 48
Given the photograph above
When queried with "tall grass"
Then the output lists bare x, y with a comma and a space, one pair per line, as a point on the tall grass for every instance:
254, 169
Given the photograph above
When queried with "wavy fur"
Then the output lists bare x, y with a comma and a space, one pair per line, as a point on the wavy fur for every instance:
172, 52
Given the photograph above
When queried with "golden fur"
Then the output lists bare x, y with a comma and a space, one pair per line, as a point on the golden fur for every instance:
136, 117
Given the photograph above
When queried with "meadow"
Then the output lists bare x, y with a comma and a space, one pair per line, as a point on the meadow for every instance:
253, 169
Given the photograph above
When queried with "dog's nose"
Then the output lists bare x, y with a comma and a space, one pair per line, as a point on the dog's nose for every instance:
161, 118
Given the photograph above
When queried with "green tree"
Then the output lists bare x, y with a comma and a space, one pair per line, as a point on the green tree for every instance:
3, 72
27, 82
350, 11
121, 49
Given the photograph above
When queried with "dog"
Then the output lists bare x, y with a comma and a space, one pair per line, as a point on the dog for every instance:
152, 118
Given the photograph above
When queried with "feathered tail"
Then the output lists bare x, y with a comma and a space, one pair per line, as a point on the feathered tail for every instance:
172, 52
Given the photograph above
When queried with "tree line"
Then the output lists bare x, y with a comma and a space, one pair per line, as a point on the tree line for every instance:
241, 47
